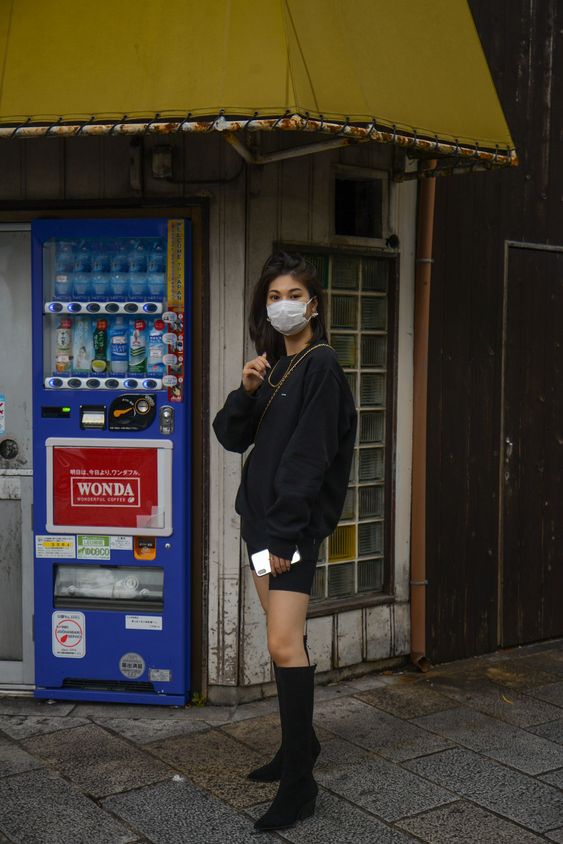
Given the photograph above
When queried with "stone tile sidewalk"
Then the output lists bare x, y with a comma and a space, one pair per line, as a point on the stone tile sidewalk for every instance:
470, 752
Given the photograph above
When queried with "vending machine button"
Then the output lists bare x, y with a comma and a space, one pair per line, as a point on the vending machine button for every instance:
93, 307
92, 383
74, 307
112, 383
55, 382
131, 307
55, 307
150, 384
74, 382
112, 307
130, 383
150, 307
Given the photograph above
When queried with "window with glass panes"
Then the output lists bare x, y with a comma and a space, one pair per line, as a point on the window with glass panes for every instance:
352, 559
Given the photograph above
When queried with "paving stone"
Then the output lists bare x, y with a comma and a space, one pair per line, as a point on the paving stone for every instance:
464, 823
367, 726
554, 778
516, 674
24, 726
255, 709
13, 759
337, 752
368, 681
39, 807
146, 730
97, 762
507, 704
101, 711
333, 691
506, 792
550, 661
33, 706
551, 692
264, 734
336, 820
384, 788
555, 835
179, 812
406, 701
218, 763
552, 731
494, 738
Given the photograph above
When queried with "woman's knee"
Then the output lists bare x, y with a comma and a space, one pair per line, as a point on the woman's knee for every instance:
284, 646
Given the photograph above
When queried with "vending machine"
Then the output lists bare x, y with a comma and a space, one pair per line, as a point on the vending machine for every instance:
111, 409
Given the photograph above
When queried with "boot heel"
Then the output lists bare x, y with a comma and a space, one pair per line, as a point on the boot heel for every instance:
307, 809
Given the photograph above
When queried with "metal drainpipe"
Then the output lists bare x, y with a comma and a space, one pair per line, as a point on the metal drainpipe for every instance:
423, 273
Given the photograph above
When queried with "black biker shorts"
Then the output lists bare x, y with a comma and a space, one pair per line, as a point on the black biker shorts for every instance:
300, 576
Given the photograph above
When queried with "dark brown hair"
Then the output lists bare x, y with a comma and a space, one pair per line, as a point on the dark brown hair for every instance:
264, 336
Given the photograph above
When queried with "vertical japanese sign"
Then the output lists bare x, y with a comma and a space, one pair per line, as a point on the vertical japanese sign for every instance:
174, 317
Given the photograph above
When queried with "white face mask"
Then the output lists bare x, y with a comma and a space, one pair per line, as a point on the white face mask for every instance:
288, 316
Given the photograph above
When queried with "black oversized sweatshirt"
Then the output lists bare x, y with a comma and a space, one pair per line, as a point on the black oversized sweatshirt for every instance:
294, 481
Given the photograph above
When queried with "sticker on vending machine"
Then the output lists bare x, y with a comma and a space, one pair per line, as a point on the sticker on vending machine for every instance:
93, 548
132, 666
69, 634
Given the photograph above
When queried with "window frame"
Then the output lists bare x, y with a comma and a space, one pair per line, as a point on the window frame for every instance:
361, 174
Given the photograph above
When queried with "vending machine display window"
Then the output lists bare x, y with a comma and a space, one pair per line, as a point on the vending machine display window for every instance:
106, 305
109, 486
109, 587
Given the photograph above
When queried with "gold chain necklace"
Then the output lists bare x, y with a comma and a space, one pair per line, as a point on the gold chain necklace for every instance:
270, 382
286, 375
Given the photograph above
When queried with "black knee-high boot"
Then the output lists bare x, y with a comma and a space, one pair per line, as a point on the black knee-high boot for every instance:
271, 771
297, 791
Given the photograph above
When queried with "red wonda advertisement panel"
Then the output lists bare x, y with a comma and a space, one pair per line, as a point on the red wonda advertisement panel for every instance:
104, 487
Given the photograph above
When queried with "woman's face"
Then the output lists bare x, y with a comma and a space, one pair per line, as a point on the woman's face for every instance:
288, 287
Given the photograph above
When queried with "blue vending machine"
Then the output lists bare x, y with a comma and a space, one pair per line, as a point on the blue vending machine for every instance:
112, 379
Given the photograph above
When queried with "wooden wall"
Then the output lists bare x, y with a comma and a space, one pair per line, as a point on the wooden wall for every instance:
494, 545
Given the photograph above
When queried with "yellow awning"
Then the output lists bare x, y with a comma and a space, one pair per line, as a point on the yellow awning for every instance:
414, 67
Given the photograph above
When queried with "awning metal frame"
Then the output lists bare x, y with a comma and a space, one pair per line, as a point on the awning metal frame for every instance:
342, 135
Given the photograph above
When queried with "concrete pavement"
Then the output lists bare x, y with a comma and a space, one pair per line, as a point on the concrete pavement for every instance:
469, 753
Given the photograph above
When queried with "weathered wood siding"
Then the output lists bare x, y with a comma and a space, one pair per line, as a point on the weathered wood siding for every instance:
494, 545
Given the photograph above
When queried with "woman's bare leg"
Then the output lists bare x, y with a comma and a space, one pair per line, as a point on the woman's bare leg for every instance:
262, 587
286, 616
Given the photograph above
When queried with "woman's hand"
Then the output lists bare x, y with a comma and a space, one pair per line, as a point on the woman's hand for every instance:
254, 372
278, 564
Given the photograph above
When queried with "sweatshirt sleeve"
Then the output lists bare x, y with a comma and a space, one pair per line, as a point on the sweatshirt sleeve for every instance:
308, 454
235, 424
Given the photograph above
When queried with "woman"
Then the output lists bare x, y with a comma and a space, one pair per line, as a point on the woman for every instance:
294, 403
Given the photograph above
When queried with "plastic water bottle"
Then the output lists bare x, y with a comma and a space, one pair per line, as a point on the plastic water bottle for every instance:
137, 270
156, 278
118, 343
101, 267
119, 267
137, 346
156, 349
64, 268
82, 269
